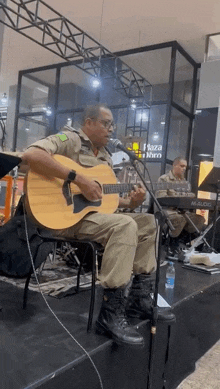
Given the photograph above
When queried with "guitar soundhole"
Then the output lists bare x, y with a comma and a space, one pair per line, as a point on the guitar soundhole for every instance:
80, 202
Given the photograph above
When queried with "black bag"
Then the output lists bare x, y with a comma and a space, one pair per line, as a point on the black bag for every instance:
14, 254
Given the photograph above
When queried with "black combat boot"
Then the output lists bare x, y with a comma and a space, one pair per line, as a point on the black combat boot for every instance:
175, 249
112, 319
140, 302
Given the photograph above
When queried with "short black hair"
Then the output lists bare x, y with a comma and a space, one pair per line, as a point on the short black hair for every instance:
178, 159
92, 111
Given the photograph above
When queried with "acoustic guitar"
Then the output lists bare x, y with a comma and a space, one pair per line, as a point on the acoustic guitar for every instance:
56, 204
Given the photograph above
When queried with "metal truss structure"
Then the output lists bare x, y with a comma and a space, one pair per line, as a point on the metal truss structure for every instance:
63, 38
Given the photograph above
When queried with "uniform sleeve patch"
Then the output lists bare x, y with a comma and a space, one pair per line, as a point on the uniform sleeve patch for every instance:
62, 136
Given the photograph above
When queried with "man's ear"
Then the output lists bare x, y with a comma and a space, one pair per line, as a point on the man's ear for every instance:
88, 122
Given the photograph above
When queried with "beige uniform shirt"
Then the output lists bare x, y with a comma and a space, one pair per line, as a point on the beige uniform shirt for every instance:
169, 177
74, 145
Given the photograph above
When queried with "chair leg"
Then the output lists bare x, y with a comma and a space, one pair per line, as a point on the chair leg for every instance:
25, 296
54, 251
78, 277
92, 299
79, 271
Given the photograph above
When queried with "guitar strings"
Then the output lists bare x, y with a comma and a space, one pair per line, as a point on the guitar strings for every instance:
51, 310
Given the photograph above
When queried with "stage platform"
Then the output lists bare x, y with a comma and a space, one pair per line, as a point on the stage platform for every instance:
36, 352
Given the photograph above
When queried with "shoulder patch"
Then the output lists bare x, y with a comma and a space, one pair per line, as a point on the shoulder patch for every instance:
62, 136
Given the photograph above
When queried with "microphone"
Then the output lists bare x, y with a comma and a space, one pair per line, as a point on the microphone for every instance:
117, 143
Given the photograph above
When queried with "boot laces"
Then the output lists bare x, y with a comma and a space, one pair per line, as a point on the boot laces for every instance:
120, 304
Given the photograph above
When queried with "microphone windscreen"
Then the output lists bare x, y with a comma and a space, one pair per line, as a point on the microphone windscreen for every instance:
115, 142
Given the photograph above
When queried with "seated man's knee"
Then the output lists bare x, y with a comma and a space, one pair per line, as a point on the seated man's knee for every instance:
198, 220
178, 223
201, 220
127, 222
126, 230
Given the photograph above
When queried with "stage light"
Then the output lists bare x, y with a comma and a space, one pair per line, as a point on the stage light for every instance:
48, 111
27, 129
96, 83
44, 90
206, 155
136, 149
133, 104
162, 123
144, 117
155, 136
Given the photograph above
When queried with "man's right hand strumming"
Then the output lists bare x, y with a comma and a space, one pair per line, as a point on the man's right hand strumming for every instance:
91, 190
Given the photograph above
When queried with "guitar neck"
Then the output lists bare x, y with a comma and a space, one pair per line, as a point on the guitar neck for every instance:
117, 188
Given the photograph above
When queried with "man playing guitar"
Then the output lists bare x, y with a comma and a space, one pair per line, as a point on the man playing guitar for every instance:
129, 239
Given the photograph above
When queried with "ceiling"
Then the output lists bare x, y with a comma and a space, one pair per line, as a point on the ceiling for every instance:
119, 25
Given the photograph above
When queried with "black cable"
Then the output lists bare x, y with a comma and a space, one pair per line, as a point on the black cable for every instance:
47, 304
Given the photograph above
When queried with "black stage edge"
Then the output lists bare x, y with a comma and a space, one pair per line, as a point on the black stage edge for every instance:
37, 353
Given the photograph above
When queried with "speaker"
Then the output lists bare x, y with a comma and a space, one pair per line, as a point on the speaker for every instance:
209, 236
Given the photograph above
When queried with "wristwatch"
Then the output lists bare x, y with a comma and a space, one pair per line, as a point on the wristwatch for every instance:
71, 176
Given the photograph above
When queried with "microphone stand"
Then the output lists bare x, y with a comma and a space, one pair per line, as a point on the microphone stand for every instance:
14, 187
161, 219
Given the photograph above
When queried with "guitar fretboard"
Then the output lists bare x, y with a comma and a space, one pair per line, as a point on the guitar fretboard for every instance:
117, 188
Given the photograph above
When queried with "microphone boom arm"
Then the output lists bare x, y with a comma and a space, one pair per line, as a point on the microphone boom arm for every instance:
134, 162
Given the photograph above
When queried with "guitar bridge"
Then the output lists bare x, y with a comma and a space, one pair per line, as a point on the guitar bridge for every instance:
67, 192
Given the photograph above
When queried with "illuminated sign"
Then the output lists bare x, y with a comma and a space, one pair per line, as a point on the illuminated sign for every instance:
154, 151
136, 148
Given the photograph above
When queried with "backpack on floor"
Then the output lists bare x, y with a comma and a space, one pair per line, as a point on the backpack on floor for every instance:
14, 254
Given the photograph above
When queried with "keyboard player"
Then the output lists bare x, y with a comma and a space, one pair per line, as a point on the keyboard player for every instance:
182, 227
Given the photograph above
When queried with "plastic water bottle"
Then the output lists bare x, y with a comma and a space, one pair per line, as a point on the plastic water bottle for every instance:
170, 276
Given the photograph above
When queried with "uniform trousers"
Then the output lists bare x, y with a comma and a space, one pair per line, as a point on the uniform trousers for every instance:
129, 240
180, 222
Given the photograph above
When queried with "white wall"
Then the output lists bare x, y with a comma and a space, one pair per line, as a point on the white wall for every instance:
216, 160
209, 97
209, 88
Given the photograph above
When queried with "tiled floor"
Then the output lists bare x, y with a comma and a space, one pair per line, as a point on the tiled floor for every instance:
207, 373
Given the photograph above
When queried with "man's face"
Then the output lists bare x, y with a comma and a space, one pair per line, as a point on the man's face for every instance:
100, 129
179, 168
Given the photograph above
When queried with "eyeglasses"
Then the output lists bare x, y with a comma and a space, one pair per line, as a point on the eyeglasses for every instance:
107, 124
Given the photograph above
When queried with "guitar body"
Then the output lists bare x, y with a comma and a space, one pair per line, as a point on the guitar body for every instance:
46, 203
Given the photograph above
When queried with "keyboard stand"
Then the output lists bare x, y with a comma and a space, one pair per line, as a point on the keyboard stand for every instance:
202, 235
185, 256
211, 183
